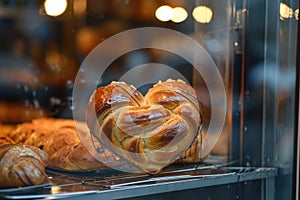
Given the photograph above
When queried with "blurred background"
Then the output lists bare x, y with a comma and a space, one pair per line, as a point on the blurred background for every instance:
43, 43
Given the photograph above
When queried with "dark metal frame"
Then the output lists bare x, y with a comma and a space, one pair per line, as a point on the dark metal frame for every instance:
296, 174
259, 128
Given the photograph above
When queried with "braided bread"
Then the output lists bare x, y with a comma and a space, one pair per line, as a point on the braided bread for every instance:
148, 131
22, 165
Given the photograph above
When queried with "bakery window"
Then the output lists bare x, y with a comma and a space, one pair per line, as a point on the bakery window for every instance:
135, 99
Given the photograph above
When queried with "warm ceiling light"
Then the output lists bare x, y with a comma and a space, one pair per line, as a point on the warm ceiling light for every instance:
55, 7
164, 13
179, 14
297, 14
285, 11
202, 14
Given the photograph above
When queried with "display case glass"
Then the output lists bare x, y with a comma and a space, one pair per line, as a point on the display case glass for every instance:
242, 58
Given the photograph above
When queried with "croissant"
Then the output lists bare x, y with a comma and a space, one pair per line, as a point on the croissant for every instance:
4, 130
5, 140
22, 165
59, 138
149, 131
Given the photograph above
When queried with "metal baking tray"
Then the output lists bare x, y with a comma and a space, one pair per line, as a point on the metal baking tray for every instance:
113, 184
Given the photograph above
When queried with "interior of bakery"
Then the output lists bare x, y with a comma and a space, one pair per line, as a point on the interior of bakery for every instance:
41, 51
59, 60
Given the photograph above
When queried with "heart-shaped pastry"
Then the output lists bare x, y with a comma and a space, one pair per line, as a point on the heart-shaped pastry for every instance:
150, 131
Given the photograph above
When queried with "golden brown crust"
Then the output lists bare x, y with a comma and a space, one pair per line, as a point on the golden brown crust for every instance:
5, 140
22, 165
151, 131
60, 139
4, 131
114, 95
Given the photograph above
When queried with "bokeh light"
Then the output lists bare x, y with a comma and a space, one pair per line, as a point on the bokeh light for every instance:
179, 15
164, 13
55, 7
297, 14
285, 11
202, 14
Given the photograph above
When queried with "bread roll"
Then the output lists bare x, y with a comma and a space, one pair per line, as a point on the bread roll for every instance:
22, 165
149, 132
60, 139
5, 140
4, 130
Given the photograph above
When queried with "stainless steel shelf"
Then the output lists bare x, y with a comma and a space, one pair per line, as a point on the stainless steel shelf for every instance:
95, 185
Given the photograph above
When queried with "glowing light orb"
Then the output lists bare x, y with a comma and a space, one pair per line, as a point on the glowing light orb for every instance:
202, 14
55, 7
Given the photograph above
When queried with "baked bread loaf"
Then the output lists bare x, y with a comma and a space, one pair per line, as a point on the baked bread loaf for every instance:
4, 130
59, 138
148, 131
22, 165
5, 140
